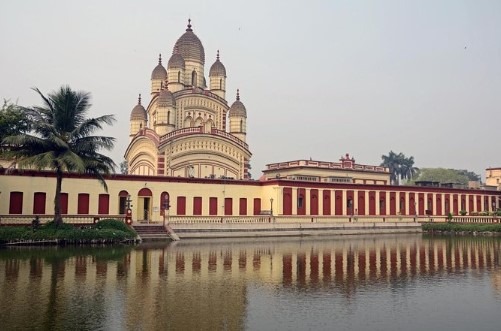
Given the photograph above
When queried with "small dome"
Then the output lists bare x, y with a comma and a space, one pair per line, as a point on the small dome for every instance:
238, 108
138, 112
166, 99
176, 61
190, 47
217, 69
159, 72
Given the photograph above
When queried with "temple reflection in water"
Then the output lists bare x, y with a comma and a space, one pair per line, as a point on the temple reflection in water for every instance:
164, 286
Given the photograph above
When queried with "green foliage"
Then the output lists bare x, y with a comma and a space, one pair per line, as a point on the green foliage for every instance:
106, 230
400, 166
112, 224
463, 212
124, 167
443, 175
13, 121
61, 139
462, 227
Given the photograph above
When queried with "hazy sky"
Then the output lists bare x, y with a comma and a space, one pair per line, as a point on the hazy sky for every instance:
318, 78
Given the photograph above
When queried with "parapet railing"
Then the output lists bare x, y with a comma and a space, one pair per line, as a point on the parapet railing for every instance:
70, 219
474, 219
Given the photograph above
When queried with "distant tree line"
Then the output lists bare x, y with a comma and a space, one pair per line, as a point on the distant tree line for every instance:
402, 170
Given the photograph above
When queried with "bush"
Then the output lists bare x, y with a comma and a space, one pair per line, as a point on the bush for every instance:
105, 230
114, 225
462, 227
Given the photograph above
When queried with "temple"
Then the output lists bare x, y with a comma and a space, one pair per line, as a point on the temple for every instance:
188, 128
188, 160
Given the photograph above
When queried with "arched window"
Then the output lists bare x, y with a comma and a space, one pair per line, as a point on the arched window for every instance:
179, 76
221, 87
241, 126
194, 78
168, 117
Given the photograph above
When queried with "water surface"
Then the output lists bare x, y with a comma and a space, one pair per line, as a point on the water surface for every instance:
401, 282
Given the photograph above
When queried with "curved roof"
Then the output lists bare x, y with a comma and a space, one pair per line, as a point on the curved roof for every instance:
217, 69
190, 47
166, 99
159, 72
238, 108
138, 112
176, 61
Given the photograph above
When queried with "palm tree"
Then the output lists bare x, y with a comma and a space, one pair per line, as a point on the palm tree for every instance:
61, 140
408, 171
392, 162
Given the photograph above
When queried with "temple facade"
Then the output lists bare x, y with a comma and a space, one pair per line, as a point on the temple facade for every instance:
188, 128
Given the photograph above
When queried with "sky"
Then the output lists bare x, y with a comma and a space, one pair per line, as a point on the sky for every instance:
318, 78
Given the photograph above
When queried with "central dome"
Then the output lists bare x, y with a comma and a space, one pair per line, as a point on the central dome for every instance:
190, 47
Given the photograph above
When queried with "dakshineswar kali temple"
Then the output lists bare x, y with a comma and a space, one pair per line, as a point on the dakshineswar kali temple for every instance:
188, 148
188, 129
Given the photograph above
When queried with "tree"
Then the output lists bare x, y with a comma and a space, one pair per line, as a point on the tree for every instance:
400, 166
443, 175
13, 121
407, 169
61, 139
124, 167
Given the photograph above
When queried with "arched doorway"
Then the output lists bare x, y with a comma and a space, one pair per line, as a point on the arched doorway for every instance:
144, 203
122, 202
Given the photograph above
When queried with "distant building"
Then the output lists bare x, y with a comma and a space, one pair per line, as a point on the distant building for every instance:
493, 177
345, 171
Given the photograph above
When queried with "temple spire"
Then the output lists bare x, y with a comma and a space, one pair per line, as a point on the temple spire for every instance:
238, 94
160, 58
217, 57
139, 99
189, 25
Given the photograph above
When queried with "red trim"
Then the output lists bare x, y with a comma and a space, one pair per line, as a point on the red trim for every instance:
144, 192
455, 204
279, 182
350, 203
402, 207
197, 205
287, 201
228, 206
421, 204
16, 203
372, 203
39, 203
242, 209
83, 204
393, 203
103, 204
257, 206
326, 203
438, 203
181, 206
382, 203
314, 202
212, 206
447, 207
301, 201
339, 202
361, 203
64, 203
412, 204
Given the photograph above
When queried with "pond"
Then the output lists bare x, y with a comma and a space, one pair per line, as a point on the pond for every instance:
394, 282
